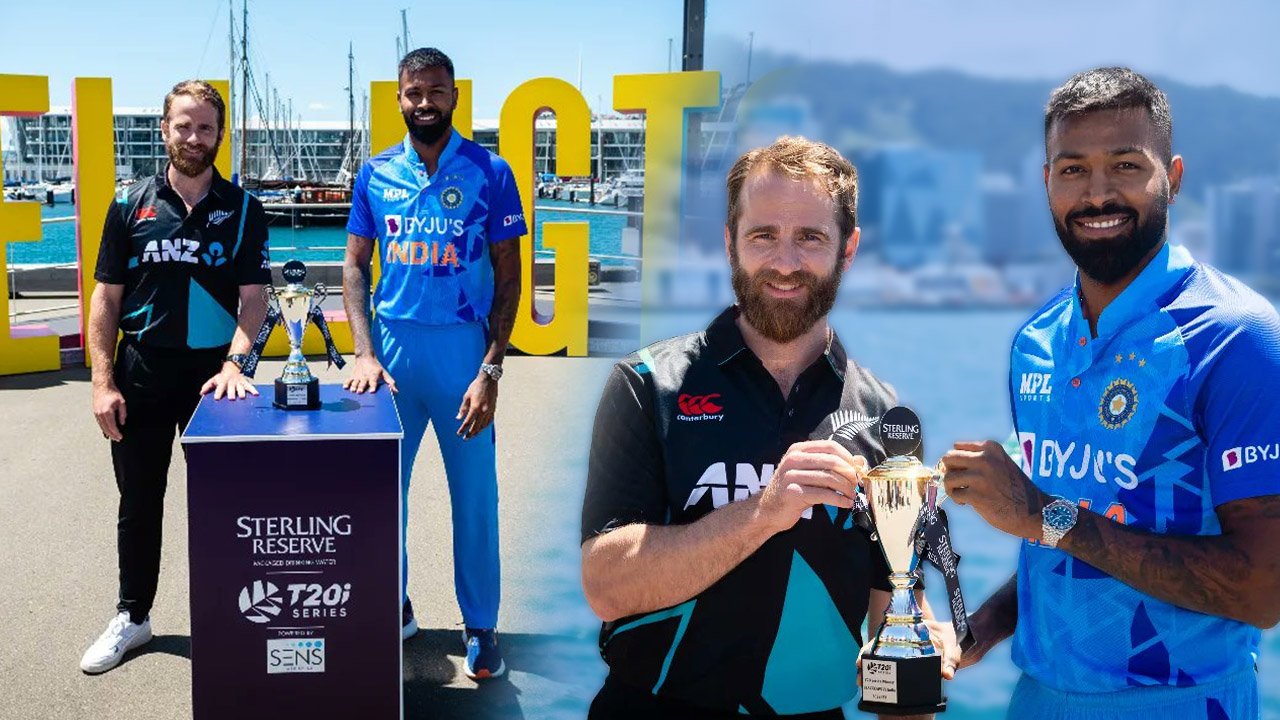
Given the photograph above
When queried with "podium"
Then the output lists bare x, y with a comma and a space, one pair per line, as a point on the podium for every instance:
295, 544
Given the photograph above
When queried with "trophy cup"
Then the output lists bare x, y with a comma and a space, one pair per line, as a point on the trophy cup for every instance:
293, 306
902, 674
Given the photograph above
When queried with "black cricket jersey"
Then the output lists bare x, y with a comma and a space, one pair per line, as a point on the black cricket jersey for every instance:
182, 272
688, 425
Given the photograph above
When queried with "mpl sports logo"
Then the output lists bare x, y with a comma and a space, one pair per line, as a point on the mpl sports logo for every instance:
1238, 457
289, 655
699, 408
1035, 387
391, 194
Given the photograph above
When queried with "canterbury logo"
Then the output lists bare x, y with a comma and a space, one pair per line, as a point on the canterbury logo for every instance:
847, 424
698, 404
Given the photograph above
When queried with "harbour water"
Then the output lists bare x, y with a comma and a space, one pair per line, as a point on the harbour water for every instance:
58, 243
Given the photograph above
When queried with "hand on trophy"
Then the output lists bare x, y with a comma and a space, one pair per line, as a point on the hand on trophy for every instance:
943, 637
811, 473
984, 476
231, 382
366, 373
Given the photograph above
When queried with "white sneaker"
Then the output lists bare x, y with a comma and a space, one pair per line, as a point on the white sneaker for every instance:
120, 637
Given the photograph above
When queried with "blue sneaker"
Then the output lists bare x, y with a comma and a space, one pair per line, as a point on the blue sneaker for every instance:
408, 623
484, 660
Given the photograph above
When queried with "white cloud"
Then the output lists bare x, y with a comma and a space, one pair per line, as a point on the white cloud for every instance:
317, 106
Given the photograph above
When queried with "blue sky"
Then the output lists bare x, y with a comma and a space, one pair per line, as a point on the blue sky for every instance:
146, 45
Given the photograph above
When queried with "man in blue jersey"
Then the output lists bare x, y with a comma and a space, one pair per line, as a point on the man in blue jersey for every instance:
1145, 403
444, 215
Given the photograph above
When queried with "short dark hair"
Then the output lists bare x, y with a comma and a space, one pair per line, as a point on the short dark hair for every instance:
200, 90
423, 59
799, 159
1111, 88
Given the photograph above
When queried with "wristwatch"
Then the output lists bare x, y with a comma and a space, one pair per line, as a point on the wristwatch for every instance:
238, 359
1058, 517
493, 370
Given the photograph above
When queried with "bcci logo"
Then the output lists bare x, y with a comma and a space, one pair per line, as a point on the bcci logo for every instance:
260, 602
451, 198
1119, 402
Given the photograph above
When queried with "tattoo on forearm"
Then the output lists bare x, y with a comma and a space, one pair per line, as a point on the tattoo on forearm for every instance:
505, 257
1213, 574
355, 300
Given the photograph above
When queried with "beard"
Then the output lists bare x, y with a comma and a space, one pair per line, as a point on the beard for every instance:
1107, 261
189, 166
783, 320
429, 134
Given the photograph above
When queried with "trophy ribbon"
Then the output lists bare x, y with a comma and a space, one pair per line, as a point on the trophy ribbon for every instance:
934, 544
317, 317
260, 342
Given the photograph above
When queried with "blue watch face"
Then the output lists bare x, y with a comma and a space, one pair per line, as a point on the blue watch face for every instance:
1058, 516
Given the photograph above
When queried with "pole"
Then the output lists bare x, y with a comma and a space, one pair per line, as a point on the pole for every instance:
231, 95
751, 39
670, 42
244, 91
404, 28
351, 111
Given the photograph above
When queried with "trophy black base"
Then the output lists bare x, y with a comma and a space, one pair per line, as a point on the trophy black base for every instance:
298, 396
902, 686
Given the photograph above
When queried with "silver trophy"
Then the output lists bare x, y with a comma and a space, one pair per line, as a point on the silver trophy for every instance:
901, 675
293, 306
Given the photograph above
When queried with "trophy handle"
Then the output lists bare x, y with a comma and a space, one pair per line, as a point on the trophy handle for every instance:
269, 294
937, 486
318, 294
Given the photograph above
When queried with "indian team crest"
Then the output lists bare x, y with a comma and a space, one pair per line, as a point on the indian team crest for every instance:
451, 197
1119, 402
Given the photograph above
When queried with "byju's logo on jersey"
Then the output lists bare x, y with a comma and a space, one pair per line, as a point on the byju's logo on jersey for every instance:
509, 220
451, 198
394, 224
1238, 457
391, 194
699, 408
1035, 387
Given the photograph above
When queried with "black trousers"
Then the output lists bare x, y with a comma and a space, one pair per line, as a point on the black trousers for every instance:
619, 701
161, 389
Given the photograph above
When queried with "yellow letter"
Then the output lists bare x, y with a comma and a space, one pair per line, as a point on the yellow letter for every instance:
567, 328
93, 138
664, 98
30, 348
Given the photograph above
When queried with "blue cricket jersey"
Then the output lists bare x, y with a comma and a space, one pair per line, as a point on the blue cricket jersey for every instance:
433, 231
1172, 410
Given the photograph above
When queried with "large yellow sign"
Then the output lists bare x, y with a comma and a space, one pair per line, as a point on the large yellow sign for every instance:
664, 98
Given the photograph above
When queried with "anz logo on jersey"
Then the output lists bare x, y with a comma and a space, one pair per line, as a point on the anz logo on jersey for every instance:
182, 250
746, 482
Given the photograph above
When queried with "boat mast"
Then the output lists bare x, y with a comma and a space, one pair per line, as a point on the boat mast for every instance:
244, 90
229, 119
351, 115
